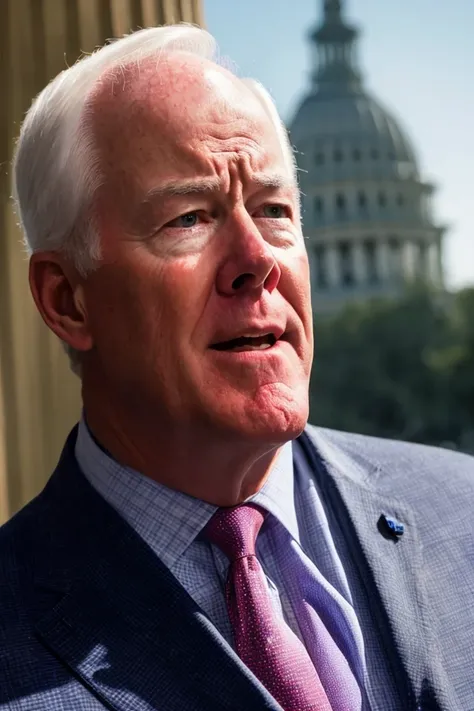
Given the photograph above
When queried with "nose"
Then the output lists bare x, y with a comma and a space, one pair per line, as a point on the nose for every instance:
250, 266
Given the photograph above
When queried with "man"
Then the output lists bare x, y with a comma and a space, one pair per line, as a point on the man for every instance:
198, 546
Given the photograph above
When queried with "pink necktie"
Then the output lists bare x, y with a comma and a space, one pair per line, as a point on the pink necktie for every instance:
264, 642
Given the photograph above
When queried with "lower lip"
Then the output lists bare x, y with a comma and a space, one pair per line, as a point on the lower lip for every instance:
252, 354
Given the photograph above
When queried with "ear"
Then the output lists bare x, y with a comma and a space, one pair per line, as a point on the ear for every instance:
58, 293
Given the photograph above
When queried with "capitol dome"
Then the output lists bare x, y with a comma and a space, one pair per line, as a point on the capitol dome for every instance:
357, 122
366, 211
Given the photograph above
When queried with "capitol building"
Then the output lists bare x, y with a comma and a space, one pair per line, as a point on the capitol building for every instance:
367, 212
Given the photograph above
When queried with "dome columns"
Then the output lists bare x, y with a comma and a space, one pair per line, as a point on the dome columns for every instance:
367, 212
359, 261
333, 271
369, 264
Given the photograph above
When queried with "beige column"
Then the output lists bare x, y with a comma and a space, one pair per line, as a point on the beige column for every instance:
360, 263
334, 276
409, 260
39, 396
383, 260
433, 265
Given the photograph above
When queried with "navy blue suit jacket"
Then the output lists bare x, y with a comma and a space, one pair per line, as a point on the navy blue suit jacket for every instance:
91, 619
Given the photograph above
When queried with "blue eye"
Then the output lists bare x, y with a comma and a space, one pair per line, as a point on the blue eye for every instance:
274, 211
188, 220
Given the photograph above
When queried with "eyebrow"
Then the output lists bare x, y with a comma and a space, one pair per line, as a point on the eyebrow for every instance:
173, 188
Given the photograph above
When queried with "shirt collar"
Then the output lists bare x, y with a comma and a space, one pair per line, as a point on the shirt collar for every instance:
168, 520
277, 495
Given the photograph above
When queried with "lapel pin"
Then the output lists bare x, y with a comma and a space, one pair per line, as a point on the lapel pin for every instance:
390, 527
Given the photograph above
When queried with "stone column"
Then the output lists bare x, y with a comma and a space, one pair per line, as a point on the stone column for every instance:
334, 277
409, 260
383, 260
360, 263
439, 261
433, 264
39, 397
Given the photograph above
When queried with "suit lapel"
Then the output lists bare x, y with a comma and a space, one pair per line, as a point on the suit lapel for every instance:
392, 570
122, 623
148, 657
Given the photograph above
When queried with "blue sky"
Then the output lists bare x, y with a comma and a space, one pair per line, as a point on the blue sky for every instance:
417, 57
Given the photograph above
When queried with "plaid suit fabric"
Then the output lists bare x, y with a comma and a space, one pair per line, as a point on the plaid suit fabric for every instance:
170, 521
90, 619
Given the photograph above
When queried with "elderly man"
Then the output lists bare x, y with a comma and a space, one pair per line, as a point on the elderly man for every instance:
198, 546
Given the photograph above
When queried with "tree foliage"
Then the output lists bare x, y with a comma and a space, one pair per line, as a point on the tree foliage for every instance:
402, 369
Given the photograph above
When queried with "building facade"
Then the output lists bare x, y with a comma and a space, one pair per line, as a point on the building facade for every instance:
367, 212
39, 396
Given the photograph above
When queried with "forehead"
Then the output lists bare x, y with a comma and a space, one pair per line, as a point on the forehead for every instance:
180, 112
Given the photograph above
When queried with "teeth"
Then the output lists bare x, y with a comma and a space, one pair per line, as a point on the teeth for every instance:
252, 335
247, 343
261, 347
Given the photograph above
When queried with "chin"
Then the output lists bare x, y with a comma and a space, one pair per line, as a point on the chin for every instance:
274, 416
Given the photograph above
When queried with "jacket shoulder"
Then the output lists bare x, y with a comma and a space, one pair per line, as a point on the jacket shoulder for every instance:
397, 461
19, 539
17, 535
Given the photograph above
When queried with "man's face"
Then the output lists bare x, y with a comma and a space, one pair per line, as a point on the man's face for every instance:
200, 311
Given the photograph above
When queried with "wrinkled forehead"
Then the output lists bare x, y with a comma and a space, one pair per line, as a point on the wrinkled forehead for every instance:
169, 101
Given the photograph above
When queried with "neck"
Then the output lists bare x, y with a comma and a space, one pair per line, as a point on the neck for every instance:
220, 468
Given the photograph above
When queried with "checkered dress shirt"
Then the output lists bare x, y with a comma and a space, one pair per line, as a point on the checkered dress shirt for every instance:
170, 523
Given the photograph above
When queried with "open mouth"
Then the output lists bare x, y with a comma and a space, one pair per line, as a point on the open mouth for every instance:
247, 343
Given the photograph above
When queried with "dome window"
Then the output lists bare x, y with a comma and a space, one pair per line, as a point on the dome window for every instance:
356, 155
320, 266
319, 158
318, 207
395, 258
382, 199
362, 200
370, 251
391, 155
340, 202
346, 263
400, 200
374, 154
338, 155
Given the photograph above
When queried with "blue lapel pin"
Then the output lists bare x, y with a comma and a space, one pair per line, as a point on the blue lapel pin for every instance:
390, 527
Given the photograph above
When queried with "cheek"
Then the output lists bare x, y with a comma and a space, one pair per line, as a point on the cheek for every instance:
150, 305
125, 310
184, 292
296, 283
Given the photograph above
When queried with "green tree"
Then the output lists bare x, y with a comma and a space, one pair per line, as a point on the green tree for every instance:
401, 369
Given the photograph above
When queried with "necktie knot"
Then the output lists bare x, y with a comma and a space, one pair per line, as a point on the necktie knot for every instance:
235, 530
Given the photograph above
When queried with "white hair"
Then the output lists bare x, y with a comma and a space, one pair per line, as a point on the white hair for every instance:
56, 171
